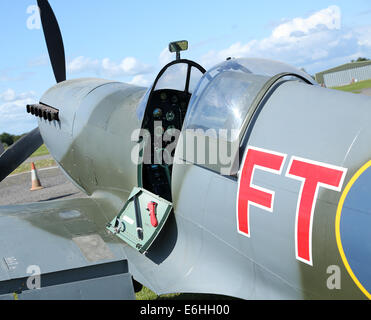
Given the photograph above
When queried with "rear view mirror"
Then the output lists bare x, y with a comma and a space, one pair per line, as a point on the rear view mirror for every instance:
177, 47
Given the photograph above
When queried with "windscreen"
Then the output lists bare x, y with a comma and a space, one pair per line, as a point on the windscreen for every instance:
225, 102
226, 92
173, 78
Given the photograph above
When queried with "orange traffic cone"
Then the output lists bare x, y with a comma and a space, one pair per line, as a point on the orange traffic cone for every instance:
36, 185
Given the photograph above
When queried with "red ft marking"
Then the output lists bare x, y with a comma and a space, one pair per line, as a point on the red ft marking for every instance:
312, 175
249, 194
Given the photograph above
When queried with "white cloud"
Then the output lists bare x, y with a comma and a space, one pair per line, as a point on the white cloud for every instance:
42, 60
83, 64
166, 57
140, 80
14, 118
364, 36
317, 40
329, 19
8, 95
129, 66
7, 75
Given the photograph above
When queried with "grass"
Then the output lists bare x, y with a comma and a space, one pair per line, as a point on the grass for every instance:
25, 167
147, 294
45, 163
355, 87
42, 151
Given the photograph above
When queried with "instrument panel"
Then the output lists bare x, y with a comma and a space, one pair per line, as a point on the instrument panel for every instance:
169, 107
166, 111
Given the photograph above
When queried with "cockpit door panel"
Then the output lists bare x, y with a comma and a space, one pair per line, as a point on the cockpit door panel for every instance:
141, 219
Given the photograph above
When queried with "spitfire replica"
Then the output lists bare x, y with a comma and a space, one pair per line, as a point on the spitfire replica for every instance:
247, 180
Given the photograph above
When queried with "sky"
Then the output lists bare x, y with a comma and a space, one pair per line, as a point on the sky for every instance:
127, 40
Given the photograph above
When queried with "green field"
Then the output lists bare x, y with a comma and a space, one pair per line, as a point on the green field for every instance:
44, 163
355, 87
42, 151
146, 294
25, 167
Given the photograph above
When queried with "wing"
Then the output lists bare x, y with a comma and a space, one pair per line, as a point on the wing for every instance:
62, 249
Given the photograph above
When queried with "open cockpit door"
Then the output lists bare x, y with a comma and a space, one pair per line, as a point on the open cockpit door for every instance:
165, 107
141, 219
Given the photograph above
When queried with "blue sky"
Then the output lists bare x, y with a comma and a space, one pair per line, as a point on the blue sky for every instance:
127, 40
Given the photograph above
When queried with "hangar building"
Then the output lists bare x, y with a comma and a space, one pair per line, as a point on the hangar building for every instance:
345, 74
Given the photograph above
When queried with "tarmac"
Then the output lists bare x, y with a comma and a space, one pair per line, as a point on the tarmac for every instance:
15, 189
367, 92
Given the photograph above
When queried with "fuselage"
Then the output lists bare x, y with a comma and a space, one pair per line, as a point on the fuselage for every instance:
221, 239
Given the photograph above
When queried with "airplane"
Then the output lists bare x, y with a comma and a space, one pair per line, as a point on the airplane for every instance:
247, 180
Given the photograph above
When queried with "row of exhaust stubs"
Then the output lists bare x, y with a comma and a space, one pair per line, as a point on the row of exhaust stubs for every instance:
45, 112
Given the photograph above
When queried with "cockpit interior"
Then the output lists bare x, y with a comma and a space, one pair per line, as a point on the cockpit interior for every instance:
164, 116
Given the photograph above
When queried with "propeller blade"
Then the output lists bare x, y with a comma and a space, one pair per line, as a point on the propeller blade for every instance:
54, 41
14, 156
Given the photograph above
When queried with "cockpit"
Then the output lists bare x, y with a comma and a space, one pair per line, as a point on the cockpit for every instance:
192, 120
165, 110
217, 104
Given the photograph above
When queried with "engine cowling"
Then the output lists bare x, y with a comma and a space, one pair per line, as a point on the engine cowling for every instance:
92, 141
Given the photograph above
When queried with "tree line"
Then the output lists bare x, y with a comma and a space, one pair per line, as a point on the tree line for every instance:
360, 59
8, 139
